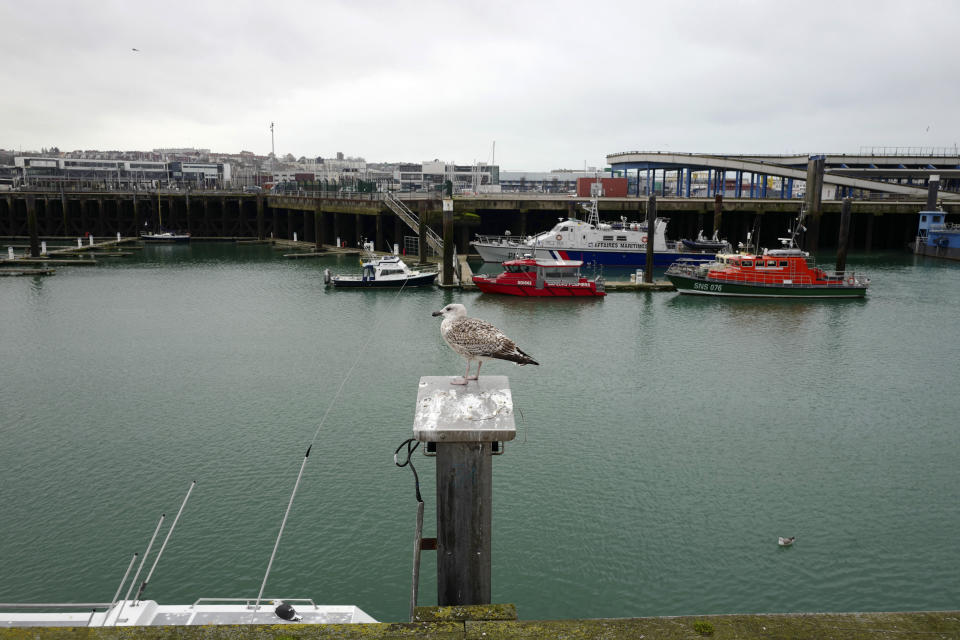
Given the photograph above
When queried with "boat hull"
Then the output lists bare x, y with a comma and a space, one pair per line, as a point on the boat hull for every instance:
611, 258
941, 250
704, 287
424, 280
573, 290
165, 239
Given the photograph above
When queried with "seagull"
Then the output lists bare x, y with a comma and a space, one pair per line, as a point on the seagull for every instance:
135, 49
786, 542
477, 340
286, 612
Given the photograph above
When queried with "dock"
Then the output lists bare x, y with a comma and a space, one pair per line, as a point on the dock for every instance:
27, 272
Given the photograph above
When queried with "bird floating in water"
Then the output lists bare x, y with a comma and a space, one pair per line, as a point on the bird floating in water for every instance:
786, 542
478, 340
135, 49
286, 612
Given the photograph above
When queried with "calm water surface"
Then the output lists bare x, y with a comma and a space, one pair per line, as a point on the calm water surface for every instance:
666, 441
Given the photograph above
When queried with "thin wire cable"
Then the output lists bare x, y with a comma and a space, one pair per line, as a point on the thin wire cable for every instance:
316, 433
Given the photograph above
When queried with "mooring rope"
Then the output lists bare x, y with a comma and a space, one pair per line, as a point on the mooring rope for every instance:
316, 433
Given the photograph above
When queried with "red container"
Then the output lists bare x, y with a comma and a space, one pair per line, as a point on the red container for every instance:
612, 187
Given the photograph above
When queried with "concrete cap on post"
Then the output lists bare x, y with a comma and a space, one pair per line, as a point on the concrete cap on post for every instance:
479, 411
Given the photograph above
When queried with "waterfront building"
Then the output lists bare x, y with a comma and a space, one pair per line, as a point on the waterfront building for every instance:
556, 181
34, 171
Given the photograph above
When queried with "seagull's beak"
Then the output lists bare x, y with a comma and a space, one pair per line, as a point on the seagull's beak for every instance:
437, 313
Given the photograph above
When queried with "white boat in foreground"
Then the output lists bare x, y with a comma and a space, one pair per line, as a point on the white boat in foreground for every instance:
147, 613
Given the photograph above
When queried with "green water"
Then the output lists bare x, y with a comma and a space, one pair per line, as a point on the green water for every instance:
666, 440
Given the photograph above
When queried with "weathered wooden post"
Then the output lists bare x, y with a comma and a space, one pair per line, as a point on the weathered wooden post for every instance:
844, 235
933, 187
32, 227
651, 235
447, 241
467, 424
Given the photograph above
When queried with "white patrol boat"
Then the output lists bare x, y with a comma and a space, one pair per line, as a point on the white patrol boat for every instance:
620, 244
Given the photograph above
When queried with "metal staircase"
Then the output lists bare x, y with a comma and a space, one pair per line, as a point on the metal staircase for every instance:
404, 213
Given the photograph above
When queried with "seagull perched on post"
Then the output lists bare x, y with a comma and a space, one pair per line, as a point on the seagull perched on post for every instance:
477, 340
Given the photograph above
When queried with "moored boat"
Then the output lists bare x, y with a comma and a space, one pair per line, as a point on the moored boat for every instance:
165, 237
707, 245
382, 272
787, 272
529, 276
936, 237
622, 244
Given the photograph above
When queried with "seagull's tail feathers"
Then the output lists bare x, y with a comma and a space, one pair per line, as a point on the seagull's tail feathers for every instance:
521, 358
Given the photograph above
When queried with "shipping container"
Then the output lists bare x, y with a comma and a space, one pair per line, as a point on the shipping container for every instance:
612, 187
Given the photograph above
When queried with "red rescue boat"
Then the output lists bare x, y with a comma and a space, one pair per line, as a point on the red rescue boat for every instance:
536, 277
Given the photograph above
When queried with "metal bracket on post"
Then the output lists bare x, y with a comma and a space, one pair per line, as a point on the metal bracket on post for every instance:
467, 425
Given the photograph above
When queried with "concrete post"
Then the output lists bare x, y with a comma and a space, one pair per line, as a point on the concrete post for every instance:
933, 186
136, 217
422, 231
260, 231
318, 227
378, 237
815, 167
651, 235
844, 235
465, 422
717, 212
32, 227
398, 231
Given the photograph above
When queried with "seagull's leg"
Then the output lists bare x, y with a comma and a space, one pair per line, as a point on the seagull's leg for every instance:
476, 377
464, 379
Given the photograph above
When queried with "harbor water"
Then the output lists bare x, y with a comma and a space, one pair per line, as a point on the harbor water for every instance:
664, 442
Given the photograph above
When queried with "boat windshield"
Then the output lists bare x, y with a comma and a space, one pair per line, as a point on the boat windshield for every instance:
518, 268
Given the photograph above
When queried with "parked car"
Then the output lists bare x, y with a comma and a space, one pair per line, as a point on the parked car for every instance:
252, 189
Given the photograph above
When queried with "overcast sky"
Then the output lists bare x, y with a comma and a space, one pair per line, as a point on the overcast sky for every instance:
555, 83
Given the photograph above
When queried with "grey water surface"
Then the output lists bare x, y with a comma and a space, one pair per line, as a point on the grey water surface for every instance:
665, 443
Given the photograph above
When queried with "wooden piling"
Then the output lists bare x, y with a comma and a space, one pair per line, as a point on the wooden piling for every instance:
844, 235
464, 509
651, 234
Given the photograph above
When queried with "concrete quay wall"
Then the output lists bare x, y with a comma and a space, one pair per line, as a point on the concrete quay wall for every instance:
881, 224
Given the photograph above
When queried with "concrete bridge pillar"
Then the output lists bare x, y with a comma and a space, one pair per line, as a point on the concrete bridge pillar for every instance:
318, 227
260, 222
32, 227
378, 240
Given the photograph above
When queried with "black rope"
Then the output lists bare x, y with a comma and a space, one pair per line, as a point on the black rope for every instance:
411, 445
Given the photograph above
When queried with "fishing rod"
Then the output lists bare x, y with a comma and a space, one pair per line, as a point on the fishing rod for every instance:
316, 433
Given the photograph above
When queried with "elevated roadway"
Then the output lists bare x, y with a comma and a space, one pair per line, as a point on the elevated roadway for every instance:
841, 171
